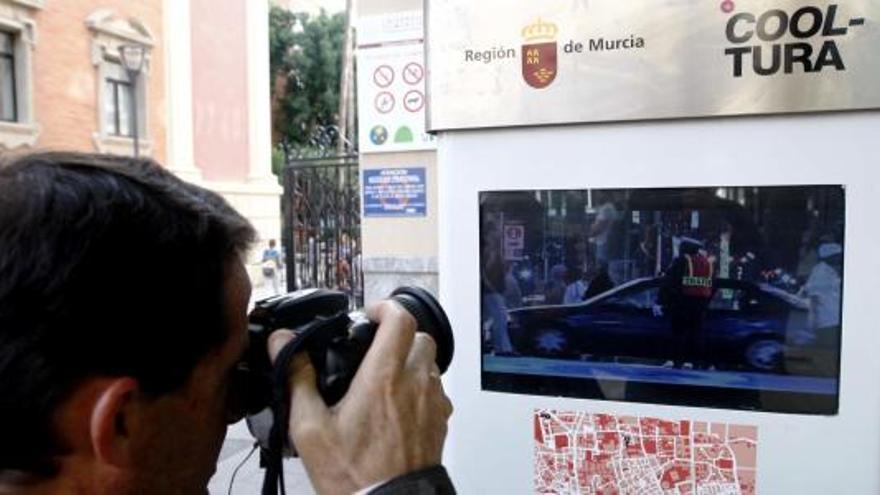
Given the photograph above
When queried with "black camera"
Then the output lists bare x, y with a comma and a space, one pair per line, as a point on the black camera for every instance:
335, 340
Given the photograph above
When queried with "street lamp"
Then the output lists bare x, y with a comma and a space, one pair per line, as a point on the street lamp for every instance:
133, 56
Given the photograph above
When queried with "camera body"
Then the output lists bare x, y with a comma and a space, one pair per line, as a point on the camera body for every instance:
335, 340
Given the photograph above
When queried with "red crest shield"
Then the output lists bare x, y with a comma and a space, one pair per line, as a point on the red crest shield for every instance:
539, 64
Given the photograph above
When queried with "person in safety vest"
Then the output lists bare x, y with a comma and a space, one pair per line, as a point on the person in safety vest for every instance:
684, 298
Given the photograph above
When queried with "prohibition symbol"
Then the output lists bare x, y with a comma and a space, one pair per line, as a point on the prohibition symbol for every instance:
384, 102
383, 76
413, 73
413, 100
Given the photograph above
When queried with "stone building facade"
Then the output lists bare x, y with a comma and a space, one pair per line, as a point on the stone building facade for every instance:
201, 102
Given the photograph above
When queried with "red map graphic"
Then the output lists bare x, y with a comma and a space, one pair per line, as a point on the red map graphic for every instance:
602, 454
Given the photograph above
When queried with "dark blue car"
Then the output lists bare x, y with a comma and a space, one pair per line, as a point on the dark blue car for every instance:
747, 326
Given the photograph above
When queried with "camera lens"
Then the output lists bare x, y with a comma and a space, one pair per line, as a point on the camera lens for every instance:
339, 356
430, 318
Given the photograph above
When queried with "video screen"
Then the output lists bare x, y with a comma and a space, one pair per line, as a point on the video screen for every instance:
725, 297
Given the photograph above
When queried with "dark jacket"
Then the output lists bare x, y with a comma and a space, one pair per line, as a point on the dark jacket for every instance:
429, 481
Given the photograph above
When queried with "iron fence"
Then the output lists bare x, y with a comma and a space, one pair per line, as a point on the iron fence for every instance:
322, 225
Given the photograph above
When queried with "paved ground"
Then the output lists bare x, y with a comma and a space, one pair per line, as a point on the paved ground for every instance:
249, 480
239, 443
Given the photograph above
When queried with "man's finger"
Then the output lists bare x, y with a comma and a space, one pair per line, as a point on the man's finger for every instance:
394, 337
306, 403
307, 407
277, 340
423, 354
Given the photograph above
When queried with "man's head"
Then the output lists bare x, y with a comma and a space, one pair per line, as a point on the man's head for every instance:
272, 243
690, 246
122, 313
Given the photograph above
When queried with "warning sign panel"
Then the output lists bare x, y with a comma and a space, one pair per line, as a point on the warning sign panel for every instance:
391, 84
395, 192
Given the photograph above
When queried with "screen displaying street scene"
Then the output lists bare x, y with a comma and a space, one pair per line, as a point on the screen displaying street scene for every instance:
723, 296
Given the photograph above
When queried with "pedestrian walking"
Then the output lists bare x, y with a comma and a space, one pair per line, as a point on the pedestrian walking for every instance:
272, 267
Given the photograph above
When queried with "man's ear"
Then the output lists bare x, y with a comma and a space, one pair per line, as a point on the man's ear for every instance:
113, 416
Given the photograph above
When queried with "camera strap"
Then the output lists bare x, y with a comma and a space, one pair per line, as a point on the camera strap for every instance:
273, 482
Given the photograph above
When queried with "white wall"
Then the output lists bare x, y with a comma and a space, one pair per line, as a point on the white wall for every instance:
397, 250
490, 448
400, 250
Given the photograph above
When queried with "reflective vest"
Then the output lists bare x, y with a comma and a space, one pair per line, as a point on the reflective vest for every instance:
697, 280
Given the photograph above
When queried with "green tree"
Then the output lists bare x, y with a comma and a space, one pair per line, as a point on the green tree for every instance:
305, 60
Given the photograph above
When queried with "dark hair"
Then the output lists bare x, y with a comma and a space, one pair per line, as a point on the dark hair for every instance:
688, 247
109, 266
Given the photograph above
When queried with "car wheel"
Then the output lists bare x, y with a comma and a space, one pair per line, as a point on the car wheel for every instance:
550, 342
765, 355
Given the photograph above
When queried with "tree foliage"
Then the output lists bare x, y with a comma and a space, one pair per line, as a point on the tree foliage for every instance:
305, 60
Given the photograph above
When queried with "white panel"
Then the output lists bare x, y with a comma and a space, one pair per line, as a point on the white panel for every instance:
490, 447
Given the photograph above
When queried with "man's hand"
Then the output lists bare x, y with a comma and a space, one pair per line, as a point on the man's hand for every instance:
391, 421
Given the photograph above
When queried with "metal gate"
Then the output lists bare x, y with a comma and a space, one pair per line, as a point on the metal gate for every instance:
322, 225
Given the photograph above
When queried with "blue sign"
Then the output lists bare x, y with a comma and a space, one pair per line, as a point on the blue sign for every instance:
395, 192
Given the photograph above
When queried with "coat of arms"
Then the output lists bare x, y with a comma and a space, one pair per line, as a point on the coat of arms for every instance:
539, 54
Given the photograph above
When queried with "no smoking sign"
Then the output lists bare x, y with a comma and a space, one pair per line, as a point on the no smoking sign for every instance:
383, 76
